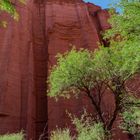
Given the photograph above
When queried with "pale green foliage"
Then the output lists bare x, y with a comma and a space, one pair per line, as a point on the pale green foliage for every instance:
72, 72
117, 62
10, 8
126, 24
61, 134
18, 136
130, 101
7, 6
93, 132
131, 116
122, 58
131, 121
126, 31
86, 129
78, 69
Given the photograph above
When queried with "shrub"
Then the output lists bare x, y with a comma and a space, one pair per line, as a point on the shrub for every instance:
18, 136
61, 134
85, 127
131, 118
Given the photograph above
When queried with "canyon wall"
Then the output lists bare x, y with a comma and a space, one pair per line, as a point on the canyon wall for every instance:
27, 52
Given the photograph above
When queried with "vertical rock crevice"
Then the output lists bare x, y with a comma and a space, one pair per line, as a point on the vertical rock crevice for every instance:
40, 44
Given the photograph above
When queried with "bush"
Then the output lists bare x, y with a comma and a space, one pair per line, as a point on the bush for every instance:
93, 132
131, 118
60, 134
85, 127
18, 136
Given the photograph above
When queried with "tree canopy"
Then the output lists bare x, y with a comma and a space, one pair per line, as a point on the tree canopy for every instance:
78, 70
127, 22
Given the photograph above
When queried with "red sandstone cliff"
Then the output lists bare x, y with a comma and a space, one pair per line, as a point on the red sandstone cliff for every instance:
28, 49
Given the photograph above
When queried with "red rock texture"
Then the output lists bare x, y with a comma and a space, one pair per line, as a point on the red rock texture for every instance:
17, 97
27, 51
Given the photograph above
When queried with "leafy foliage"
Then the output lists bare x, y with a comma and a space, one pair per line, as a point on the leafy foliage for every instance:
117, 62
71, 73
60, 134
92, 132
124, 35
7, 6
79, 69
131, 116
10, 8
18, 136
88, 129
131, 120
126, 24
85, 127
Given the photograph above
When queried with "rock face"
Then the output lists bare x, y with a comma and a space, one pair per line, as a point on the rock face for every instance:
27, 51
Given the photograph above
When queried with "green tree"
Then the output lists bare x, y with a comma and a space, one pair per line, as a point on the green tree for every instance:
127, 22
107, 69
86, 128
81, 71
125, 33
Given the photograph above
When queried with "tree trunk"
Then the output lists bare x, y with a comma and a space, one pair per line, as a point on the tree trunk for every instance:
131, 137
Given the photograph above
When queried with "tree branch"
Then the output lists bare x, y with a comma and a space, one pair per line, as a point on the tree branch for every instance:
97, 108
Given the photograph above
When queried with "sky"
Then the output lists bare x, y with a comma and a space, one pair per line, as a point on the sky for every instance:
103, 3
